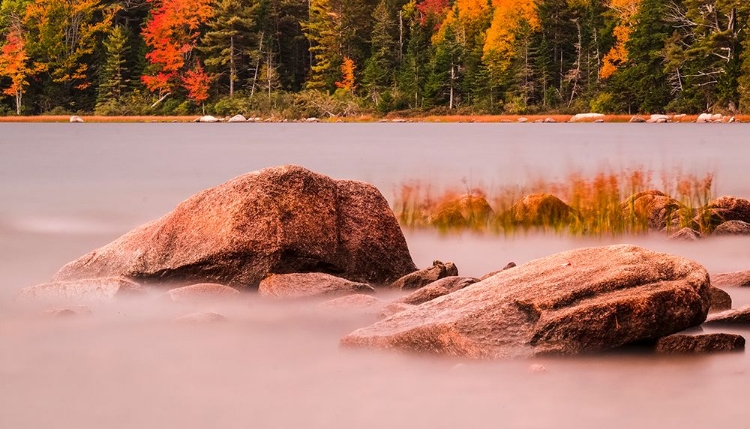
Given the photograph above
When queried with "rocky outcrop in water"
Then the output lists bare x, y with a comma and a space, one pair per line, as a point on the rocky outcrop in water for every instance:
733, 227
577, 301
733, 279
277, 220
309, 285
705, 343
540, 209
425, 276
654, 208
465, 210
738, 316
437, 289
721, 210
97, 289
720, 300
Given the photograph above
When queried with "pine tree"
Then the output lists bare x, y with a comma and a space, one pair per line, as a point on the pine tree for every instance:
115, 76
641, 84
379, 67
229, 35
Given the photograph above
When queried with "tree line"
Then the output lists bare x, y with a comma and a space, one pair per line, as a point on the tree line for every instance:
298, 58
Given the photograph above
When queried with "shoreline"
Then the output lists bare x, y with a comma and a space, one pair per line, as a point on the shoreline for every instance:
552, 118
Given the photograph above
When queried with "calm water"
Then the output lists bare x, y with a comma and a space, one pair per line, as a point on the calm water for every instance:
66, 189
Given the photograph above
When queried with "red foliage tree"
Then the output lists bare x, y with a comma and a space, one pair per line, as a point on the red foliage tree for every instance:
171, 35
197, 83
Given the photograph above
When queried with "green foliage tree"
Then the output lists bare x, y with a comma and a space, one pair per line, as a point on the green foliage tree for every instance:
225, 44
115, 76
379, 68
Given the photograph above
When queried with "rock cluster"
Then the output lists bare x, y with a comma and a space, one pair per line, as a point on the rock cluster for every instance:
577, 301
297, 234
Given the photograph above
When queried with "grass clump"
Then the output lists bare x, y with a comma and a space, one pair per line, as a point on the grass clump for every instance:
606, 203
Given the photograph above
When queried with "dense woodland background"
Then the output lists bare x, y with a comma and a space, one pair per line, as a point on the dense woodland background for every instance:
299, 58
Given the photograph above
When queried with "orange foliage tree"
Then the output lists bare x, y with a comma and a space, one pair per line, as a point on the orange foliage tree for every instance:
171, 34
618, 55
347, 75
197, 84
14, 65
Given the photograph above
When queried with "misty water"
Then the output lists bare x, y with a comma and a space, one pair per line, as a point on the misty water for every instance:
67, 189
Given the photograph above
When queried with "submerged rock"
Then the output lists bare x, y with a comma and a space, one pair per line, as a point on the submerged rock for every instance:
68, 312
437, 289
733, 227
705, 343
423, 277
98, 289
686, 234
353, 302
395, 307
577, 301
199, 318
309, 285
738, 316
734, 279
202, 292
277, 220
720, 300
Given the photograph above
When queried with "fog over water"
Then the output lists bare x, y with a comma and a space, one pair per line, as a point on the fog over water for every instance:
67, 189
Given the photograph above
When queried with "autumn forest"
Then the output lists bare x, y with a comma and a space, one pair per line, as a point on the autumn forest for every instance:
300, 58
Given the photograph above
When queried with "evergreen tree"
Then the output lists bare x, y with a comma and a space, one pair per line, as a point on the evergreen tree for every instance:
228, 36
379, 67
641, 84
114, 77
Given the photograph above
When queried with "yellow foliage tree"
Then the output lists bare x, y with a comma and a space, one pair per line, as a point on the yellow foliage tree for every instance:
507, 18
464, 19
625, 11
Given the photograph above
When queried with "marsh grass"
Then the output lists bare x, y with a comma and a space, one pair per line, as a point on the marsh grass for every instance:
602, 204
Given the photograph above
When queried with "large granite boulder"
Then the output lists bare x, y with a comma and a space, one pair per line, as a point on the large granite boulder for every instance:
577, 301
425, 276
309, 285
98, 289
277, 220
653, 209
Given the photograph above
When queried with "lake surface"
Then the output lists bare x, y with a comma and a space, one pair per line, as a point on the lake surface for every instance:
69, 188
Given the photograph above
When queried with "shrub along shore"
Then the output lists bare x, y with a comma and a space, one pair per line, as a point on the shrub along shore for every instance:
403, 117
